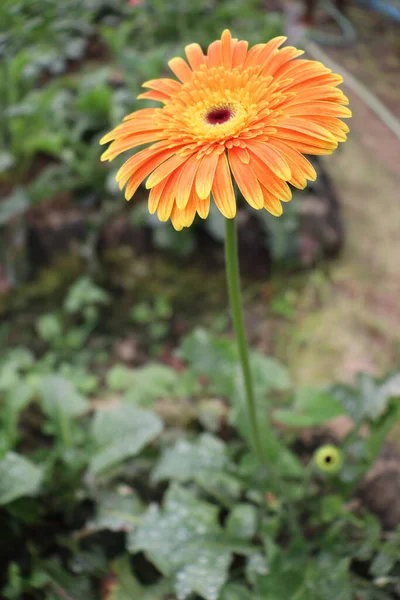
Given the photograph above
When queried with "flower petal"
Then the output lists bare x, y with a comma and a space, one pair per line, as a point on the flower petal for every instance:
214, 54
195, 56
271, 158
268, 179
246, 180
222, 189
168, 196
205, 174
239, 54
165, 169
180, 68
186, 180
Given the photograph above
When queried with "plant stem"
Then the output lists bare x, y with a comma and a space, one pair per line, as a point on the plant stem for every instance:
235, 298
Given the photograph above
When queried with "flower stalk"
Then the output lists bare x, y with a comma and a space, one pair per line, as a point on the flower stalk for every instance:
235, 299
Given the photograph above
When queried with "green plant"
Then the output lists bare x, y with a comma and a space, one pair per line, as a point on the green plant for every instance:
218, 530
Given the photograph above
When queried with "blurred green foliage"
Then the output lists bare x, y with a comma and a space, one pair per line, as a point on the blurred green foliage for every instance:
118, 480
123, 480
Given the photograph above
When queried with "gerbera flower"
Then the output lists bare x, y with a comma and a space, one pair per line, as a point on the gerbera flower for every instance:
250, 114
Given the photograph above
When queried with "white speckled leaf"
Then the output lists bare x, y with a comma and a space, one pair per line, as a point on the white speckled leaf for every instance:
120, 433
18, 477
182, 541
185, 460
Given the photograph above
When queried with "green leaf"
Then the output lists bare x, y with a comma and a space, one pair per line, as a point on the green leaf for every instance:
242, 521
127, 587
151, 382
18, 477
185, 460
59, 399
119, 433
268, 373
120, 378
181, 540
311, 408
116, 510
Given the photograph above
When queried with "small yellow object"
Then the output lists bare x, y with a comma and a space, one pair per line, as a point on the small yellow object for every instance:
232, 113
328, 458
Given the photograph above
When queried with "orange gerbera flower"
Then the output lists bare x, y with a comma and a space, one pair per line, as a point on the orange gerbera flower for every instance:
247, 113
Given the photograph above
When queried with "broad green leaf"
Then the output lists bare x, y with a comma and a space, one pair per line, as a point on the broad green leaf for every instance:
120, 377
185, 460
256, 565
181, 540
59, 399
151, 382
18, 477
368, 399
311, 408
116, 510
268, 373
119, 433
242, 521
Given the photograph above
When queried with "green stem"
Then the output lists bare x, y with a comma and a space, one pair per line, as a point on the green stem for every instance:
235, 298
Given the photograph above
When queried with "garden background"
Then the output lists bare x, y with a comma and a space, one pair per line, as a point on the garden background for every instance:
119, 388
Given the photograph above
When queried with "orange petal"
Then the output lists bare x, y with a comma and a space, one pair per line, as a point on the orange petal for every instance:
138, 115
268, 179
243, 155
308, 148
159, 150
306, 127
167, 199
166, 86
205, 174
269, 51
130, 142
280, 58
128, 128
214, 54
188, 213
180, 68
319, 108
155, 195
195, 56
140, 174
271, 204
239, 54
186, 181
272, 158
296, 160
253, 55
165, 169
203, 207
246, 180
226, 41
157, 96
222, 188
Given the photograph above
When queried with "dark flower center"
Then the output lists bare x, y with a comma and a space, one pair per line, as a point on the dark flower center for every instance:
219, 115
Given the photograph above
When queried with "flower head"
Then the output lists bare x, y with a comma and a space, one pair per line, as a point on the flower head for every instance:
328, 458
247, 113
